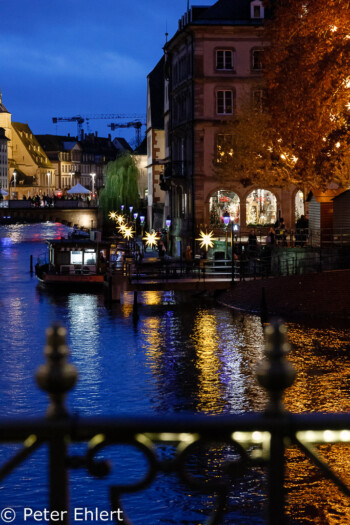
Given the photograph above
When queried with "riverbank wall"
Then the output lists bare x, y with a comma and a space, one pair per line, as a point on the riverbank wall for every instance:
321, 294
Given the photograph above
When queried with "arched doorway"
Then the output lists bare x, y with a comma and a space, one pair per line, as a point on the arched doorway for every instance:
299, 205
224, 201
261, 208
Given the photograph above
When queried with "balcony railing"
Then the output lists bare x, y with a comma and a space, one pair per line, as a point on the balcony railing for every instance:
257, 439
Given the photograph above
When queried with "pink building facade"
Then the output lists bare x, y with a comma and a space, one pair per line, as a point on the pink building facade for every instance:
212, 70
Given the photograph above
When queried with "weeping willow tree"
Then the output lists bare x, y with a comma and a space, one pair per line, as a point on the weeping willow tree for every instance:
121, 186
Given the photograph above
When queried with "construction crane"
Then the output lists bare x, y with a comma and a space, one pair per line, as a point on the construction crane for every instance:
137, 124
80, 119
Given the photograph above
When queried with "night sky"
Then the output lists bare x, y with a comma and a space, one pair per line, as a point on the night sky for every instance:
60, 58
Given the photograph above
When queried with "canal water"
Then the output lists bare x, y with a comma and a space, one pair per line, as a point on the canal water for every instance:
182, 355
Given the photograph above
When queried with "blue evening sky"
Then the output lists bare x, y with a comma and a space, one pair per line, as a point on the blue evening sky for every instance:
60, 58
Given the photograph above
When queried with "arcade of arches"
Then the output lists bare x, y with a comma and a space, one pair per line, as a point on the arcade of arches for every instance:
260, 205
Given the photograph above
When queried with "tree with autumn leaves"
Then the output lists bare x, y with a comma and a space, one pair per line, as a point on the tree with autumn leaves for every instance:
303, 136
307, 72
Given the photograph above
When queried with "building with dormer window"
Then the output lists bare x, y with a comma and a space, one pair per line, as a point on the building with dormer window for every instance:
213, 69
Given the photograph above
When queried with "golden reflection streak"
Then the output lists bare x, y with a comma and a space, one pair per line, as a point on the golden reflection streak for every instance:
206, 343
127, 309
319, 356
151, 298
153, 339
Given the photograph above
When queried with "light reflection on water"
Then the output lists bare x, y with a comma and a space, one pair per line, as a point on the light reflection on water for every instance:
321, 357
178, 356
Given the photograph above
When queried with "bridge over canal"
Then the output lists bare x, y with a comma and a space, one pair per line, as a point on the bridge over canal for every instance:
72, 213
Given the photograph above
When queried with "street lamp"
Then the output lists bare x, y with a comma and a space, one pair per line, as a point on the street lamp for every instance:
234, 228
14, 182
93, 175
168, 224
135, 215
142, 223
226, 219
48, 183
71, 178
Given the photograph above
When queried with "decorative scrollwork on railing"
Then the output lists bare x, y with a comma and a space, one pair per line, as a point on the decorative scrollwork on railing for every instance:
244, 441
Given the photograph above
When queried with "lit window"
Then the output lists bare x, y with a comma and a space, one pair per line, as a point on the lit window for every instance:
76, 257
224, 148
224, 102
89, 257
224, 59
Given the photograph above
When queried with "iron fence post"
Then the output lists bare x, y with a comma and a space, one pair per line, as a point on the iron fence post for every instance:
276, 374
57, 377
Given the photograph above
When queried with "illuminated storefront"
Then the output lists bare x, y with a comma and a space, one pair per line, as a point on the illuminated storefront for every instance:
224, 201
299, 205
261, 207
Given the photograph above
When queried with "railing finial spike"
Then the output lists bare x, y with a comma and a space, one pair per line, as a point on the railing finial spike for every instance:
275, 373
56, 376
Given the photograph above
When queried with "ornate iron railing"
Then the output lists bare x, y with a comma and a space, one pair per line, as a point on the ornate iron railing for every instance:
258, 439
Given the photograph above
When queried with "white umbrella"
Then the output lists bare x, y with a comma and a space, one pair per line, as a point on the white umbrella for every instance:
78, 188
3, 192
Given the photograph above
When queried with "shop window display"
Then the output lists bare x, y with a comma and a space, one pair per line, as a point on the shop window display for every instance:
299, 205
261, 208
221, 202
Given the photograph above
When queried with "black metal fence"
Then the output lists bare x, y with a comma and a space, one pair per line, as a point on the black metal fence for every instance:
263, 263
258, 439
290, 237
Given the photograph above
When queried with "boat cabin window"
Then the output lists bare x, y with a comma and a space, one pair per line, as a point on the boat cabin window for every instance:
76, 257
89, 257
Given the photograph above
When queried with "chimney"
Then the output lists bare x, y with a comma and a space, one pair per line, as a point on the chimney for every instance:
95, 133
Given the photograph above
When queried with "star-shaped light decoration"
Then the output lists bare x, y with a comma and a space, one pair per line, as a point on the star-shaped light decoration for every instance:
206, 240
151, 239
122, 228
128, 232
120, 219
112, 215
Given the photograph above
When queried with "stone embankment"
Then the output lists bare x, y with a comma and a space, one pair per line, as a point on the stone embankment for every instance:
325, 294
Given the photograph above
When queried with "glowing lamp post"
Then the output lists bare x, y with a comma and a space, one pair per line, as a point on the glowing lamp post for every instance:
226, 219
142, 223
234, 228
71, 178
168, 224
122, 207
48, 183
